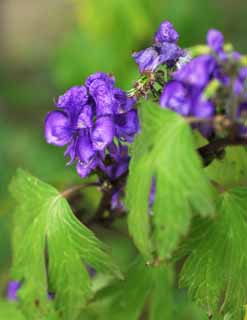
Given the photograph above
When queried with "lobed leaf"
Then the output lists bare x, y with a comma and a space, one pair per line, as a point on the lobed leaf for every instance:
164, 152
215, 268
47, 233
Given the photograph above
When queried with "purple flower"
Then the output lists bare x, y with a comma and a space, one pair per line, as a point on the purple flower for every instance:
176, 97
123, 102
13, 287
120, 164
58, 129
127, 125
164, 51
147, 60
198, 72
89, 123
101, 88
103, 133
215, 40
187, 101
166, 33
150, 58
74, 98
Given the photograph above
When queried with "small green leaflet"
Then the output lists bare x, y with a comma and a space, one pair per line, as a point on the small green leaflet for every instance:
164, 150
215, 270
127, 299
47, 232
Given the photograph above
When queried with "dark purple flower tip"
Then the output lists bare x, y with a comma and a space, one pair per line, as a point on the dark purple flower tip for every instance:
84, 148
85, 118
103, 133
100, 76
13, 287
147, 60
127, 125
176, 97
57, 128
215, 40
166, 33
197, 72
74, 98
124, 103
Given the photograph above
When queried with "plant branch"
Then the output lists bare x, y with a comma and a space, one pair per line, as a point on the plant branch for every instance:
215, 148
68, 193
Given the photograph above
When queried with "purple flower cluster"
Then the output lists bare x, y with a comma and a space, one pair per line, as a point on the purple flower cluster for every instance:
164, 50
94, 120
184, 94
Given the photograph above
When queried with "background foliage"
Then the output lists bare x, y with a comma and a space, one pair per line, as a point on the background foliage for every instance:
50, 46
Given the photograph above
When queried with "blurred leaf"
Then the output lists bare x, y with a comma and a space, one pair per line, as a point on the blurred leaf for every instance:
215, 270
181, 185
232, 169
128, 297
10, 311
43, 220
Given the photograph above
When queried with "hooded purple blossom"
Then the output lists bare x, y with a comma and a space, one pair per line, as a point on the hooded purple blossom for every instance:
215, 40
88, 120
164, 51
198, 72
166, 33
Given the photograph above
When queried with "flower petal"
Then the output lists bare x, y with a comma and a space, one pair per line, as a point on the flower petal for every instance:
84, 148
215, 40
103, 133
175, 97
57, 128
147, 60
74, 98
85, 118
127, 125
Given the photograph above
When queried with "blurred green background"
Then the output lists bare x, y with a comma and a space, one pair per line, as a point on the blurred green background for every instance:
50, 45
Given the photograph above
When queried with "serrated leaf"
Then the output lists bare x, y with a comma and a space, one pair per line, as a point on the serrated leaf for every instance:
215, 270
164, 152
231, 171
130, 297
45, 227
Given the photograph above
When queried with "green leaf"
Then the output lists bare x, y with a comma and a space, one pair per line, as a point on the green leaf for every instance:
231, 171
162, 304
10, 311
215, 270
130, 296
164, 151
46, 231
